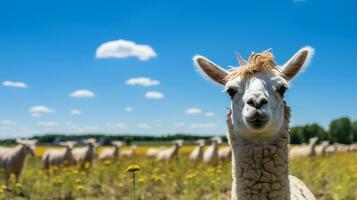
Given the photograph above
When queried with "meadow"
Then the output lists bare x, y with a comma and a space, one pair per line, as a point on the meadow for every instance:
329, 177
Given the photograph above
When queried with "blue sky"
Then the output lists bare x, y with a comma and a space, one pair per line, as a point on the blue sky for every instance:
52, 80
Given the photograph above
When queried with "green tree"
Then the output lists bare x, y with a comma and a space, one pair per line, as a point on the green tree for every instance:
341, 131
297, 135
314, 130
354, 130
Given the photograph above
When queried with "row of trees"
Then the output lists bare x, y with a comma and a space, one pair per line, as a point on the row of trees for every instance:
341, 130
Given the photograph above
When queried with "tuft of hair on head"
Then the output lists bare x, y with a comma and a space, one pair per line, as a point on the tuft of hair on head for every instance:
262, 62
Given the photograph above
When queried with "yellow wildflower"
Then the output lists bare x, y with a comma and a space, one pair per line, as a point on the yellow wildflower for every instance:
133, 168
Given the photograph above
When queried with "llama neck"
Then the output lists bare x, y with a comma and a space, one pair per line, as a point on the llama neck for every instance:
21, 154
261, 171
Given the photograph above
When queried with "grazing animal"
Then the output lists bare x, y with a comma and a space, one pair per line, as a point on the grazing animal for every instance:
169, 154
12, 159
57, 157
211, 154
153, 152
330, 149
304, 150
129, 153
86, 154
258, 125
197, 153
111, 153
321, 148
225, 153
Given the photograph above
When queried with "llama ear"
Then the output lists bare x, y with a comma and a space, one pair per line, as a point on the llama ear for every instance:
208, 68
297, 62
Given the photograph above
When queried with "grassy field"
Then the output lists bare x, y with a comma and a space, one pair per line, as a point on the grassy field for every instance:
333, 177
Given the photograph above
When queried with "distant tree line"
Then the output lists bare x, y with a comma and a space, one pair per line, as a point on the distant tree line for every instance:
106, 139
341, 130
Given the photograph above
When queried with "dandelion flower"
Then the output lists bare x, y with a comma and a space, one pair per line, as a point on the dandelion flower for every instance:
133, 168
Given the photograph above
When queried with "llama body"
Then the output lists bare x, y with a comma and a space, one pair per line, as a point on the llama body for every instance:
169, 154
129, 153
258, 124
86, 154
225, 153
12, 160
305, 150
111, 153
197, 153
210, 156
56, 157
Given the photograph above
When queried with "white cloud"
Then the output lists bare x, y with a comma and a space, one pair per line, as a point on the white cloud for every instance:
14, 84
210, 114
193, 111
143, 81
82, 94
123, 49
144, 126
128, 109
7, 122
154, 95
40, 109
47, 124
116, 125
36, 115
203, 126
76, 112
179, 124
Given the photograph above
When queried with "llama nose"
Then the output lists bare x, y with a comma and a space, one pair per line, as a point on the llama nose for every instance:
257, 103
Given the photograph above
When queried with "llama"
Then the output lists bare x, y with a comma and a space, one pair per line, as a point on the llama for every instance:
56, 157
258, 125
225, 153
169, 154
84, 155
153, 152
129, 153
321, 148
111, 153
211, 154
12, 159
304, 150
197, 153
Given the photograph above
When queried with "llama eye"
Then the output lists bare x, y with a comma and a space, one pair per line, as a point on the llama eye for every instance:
232, 92
281, 90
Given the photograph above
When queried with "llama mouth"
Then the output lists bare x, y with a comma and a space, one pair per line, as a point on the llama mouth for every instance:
257, 121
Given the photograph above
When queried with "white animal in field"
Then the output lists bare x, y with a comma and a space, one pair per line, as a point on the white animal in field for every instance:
304, 150
170, 153
342, 147
85, 155
330, 149
129, 153
210, 156
12, 159
197, 153
111, 153
153, 152
321, 148
258, 125
57, 157
225, 153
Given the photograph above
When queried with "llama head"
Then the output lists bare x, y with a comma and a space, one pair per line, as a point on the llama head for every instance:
69, 144
257, 91
28, 146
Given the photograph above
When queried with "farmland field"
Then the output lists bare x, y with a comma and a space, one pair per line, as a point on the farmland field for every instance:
332, 177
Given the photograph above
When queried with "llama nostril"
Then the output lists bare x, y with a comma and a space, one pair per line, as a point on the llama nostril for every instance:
251, 102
